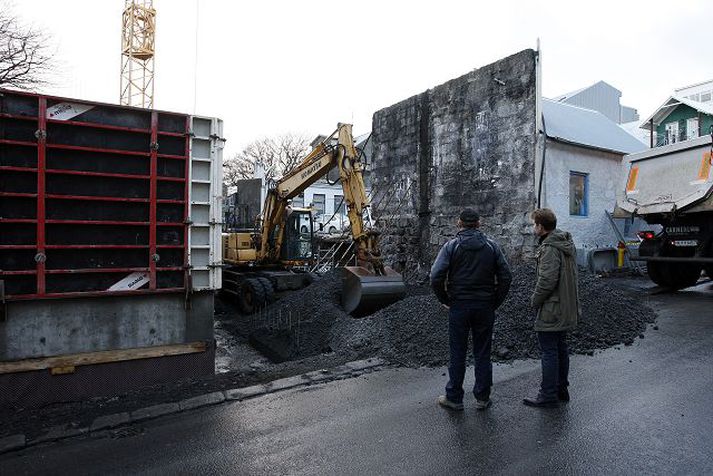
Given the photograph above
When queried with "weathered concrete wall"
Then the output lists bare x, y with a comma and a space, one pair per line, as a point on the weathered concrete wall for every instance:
604, 169
467, 143
44, 328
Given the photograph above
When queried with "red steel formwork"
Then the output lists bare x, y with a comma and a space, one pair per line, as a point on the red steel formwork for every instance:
93, 198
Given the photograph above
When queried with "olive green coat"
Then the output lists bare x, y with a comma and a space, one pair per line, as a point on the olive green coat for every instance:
556, 296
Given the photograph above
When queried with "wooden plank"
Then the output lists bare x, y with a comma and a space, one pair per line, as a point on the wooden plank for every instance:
103, 357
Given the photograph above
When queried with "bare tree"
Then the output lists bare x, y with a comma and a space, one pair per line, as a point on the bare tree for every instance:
24, 56
278, 155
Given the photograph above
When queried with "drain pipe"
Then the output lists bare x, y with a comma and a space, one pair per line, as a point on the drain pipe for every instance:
542, 168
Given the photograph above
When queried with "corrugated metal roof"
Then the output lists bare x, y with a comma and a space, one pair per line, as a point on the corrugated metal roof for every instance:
670, 104
571, 94
565, 96
634, 129
361, 138
585, 127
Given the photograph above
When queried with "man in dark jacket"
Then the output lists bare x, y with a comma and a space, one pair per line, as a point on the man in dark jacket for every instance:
556, 299
471, 278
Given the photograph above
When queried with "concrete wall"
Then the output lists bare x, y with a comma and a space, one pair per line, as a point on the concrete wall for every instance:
469, 142
604, 171
43, 328
245, 204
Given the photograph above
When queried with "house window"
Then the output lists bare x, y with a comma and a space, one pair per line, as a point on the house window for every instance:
339, 207
706, 97
318, 202
299, 201
691, 128
672, 132
578, 194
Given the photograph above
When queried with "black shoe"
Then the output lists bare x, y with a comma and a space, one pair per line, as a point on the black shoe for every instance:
445, 403
540, 403
563, 395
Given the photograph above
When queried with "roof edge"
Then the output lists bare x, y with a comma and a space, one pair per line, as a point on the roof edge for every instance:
587, 146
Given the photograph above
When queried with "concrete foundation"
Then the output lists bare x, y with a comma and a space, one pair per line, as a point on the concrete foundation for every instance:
61, 327
39, 387
50, 327
470, 142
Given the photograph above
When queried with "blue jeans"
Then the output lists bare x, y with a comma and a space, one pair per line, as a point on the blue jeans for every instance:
467, 317
555, 363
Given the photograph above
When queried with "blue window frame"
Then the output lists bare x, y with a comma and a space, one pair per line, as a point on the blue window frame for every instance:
578, 194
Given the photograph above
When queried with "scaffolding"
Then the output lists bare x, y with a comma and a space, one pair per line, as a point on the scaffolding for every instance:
137, 53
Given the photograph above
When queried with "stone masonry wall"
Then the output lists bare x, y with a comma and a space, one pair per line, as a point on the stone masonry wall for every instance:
469, 142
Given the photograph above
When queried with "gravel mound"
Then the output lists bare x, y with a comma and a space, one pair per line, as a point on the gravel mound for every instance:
414, 331
299, 324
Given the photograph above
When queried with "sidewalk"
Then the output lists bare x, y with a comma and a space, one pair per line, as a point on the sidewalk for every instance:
81, 425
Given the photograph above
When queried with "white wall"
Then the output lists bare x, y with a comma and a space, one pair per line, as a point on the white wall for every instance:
604, 171
329, 191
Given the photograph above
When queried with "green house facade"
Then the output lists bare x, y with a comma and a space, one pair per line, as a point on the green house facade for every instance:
679, 119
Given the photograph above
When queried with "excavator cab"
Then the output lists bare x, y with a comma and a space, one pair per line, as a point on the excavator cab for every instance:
297, 244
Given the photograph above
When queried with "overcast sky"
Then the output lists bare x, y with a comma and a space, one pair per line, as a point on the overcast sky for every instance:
269, 67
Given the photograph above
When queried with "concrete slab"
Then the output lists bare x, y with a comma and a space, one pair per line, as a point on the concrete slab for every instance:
202, 401
247, 392
364, 364
285, 383
110, 421
59, 433
319, 375
12, 442
154, 411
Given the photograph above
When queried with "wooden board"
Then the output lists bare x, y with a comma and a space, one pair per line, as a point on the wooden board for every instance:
92, 358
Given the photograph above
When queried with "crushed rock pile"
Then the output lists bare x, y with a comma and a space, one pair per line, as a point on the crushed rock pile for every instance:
299, 324
414, 331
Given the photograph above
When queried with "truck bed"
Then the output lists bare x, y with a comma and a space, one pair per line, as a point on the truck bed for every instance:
675, 177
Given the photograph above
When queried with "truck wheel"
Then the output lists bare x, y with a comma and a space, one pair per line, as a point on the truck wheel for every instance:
674, 275
252, 296
685, 275
657, 273
268, 289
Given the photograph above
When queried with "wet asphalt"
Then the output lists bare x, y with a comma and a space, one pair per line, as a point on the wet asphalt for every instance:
640, 409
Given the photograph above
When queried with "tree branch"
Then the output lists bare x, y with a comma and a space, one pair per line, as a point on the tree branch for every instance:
24, 56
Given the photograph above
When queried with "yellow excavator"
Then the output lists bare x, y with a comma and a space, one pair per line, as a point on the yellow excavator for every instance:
272, 259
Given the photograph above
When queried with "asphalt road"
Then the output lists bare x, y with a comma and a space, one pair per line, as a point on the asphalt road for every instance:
642, 409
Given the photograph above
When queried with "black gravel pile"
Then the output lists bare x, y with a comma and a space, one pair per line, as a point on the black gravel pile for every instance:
299, 324
414, 331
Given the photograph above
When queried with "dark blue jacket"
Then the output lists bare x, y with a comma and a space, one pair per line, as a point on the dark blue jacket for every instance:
471, 267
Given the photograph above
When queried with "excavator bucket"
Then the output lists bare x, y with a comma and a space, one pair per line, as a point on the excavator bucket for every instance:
364, 292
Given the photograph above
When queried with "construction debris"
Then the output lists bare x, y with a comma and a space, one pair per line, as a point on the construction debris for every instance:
414, 331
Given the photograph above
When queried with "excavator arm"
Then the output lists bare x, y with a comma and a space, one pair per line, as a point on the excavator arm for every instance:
368, 285
316, 165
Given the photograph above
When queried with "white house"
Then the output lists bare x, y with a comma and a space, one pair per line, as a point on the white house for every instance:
582, 168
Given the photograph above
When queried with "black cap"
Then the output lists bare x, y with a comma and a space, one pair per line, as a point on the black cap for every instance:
469, 216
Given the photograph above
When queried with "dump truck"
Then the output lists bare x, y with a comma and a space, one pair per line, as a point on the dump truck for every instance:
272, 258
672, 187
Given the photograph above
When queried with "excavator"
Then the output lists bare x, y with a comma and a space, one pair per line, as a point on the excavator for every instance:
270, 260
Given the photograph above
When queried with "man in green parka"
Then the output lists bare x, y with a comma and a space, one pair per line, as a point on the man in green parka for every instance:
556, 300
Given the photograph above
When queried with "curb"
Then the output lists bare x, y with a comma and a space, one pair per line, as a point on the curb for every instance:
107, 422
